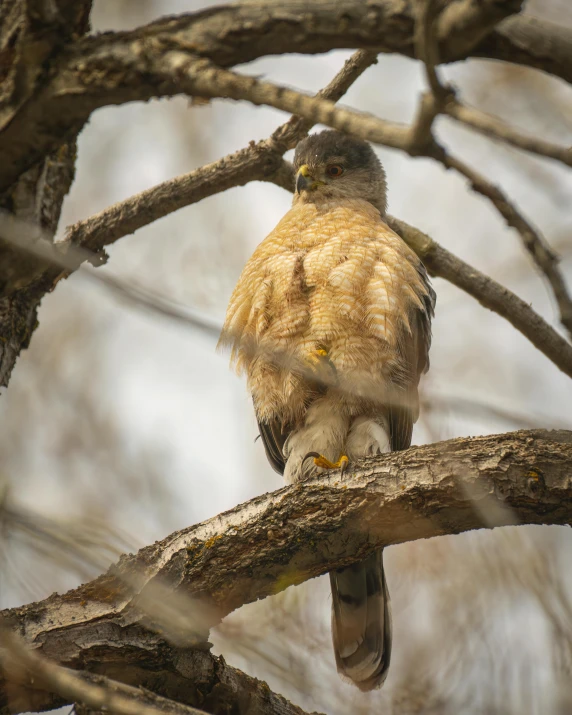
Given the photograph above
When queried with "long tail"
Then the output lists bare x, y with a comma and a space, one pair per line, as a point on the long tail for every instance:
361, 622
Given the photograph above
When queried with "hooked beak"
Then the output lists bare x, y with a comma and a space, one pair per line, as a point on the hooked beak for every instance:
305, 181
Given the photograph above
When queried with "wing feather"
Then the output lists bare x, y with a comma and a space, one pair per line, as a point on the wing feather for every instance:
404, 410
273, 438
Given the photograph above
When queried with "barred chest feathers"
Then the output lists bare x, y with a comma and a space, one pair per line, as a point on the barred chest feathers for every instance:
332, 277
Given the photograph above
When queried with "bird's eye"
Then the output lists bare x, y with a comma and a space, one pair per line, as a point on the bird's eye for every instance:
334, 170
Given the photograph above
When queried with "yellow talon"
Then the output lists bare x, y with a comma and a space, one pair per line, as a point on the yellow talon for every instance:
321, 368
316, 356
324, 463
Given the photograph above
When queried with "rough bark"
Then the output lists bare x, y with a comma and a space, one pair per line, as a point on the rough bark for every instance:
531, 42
31, 35
118, 624
141, 660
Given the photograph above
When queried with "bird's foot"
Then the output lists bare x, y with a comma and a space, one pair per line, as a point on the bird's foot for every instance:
322, 368
317, 357
324, 463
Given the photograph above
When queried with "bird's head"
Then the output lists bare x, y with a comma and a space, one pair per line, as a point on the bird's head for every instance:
334, 166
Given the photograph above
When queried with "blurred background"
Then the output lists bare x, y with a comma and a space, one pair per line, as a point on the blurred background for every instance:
120, 427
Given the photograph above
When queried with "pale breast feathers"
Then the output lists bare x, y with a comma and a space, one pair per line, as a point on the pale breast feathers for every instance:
335, 278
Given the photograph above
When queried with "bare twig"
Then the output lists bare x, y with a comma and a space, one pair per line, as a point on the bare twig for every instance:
489, 293
500, 131
253, 163
296, 128
202, 77
474, 406
432, 102
534, 242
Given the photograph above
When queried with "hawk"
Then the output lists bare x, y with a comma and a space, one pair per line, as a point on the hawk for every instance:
331, 322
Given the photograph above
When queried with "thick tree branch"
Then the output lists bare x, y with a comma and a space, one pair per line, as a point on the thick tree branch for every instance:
286, 537
97, 692
31, 34
531, 42
144, 668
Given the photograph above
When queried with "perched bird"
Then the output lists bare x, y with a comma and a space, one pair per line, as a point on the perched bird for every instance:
331, 322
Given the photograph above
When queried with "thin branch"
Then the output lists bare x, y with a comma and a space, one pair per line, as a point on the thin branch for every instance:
96, 692
489, 293
439, 402
533, 241
432, 102
289, 134
63, 258
200, 76
427, 48
253, 163
498, 130
444, 99
276, 540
